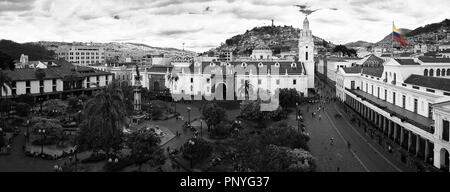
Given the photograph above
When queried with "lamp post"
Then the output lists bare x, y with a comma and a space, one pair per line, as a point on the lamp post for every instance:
189, 115
192, 143
28, 131
201, 127
42, 133
298, 123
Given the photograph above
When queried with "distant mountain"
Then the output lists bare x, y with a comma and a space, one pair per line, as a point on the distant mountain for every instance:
34, 52
278, 38
430, 28
359, 44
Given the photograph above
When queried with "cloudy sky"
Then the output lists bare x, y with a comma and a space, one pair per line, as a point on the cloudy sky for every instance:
204, 24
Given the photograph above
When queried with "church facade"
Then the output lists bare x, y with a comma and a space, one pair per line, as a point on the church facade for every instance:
260, 74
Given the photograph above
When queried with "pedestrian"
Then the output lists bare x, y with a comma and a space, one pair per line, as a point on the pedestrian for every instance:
331, 141
320, 117
338, 169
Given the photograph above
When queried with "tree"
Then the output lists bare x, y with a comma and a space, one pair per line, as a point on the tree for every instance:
105, 117
27, 98
143, 144
23, 109
196, 149
6, 62
73, 104
285, 159
288, 98
213, 114
285, 136
5, 83
251, 110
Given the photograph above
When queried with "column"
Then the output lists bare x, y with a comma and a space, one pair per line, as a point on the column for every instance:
389, 128
395, 132
402, 136
385, 125
417, 145
427, 150
409, 140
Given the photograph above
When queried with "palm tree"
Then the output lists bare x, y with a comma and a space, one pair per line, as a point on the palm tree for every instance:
106, 113
5, 83
246, 89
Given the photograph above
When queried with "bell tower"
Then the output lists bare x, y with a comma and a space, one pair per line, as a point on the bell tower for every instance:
306, 51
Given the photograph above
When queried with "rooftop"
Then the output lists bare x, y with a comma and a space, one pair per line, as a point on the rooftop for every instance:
430, 82
373, 71
407, 62
417, 120
434, 60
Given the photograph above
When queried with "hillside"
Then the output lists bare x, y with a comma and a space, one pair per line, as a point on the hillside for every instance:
114, 49
359, 44
430, 28
34, 52
278, 38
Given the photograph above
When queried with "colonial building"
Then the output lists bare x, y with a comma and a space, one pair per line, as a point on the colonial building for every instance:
407, 100
55, 81
236, 78
81, 55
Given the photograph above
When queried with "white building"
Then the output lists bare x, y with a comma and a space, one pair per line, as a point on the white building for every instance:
238, 78
55, 81
407, 100
81, 55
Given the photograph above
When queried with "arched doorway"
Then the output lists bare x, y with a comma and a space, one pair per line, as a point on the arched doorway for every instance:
445, 160
221, 91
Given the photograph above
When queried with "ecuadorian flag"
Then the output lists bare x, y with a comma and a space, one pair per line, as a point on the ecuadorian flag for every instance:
397, 36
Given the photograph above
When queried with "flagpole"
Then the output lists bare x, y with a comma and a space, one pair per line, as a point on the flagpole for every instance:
392, 40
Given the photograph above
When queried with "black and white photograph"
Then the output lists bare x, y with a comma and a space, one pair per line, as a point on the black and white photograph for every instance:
225, 86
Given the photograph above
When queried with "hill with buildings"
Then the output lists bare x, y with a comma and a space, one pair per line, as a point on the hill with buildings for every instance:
359, 44
429, 34
122, 50
278, 38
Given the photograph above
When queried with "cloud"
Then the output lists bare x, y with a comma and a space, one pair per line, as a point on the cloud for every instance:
16, 5
203, 24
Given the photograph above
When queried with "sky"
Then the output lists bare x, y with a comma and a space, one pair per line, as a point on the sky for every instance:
205, 24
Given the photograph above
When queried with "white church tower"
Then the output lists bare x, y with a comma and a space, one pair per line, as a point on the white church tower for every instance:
306, 51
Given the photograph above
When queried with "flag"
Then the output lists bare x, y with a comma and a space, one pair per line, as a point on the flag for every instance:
398, 36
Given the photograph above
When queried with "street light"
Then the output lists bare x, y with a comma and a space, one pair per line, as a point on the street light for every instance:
28, 131
42, 133
189, 115
201, 127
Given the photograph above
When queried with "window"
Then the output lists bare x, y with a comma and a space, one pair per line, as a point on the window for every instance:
438, 72
415, 105
372, 89
367, 87
378, 92
385, 94
445, 130
431, 72
27, 83
294, 82
306, 56
393, 98
192, 80
278, 82
28, 90
352, 85
259, 81
430, 111
443, 72
404, 101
